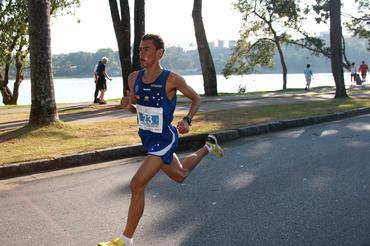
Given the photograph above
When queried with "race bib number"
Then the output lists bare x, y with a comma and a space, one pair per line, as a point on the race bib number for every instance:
150, 118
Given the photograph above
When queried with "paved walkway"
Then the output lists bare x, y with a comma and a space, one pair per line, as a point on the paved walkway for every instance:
95, 113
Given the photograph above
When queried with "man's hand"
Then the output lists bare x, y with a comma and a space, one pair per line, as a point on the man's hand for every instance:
126, 103
183, 127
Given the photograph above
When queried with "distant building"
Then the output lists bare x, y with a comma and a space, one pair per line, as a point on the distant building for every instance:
211, 44
220, 43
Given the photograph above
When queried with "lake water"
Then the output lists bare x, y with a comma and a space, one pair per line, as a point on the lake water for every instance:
69, 90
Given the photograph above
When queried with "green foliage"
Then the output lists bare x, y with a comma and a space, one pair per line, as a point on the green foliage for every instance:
359, 25
321, 8
267, 25
62, 7
248, 57
81, 64
14, 28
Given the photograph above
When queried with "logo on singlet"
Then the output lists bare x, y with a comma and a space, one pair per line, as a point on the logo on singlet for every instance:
155, 85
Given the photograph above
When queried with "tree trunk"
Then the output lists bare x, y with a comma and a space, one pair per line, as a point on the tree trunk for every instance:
17, 83
43, 107
283, 64
336, 48
5, 91
205, 56
9, 97
19, 75
139, 19
123, 35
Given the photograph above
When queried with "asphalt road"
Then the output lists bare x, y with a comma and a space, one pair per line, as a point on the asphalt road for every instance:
306, 186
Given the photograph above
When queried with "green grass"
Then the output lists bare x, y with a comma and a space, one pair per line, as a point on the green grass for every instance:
31, 143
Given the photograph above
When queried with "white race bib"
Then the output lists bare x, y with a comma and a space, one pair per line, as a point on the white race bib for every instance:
150, 118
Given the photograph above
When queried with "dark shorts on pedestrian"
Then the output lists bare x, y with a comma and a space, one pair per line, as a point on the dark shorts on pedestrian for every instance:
102, 83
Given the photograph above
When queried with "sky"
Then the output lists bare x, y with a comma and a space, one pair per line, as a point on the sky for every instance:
171, 19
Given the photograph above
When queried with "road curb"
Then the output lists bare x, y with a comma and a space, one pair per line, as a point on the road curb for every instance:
185, 143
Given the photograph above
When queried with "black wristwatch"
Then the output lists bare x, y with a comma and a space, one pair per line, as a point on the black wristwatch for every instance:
187, 119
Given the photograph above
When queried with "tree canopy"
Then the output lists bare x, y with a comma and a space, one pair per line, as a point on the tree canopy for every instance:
14, 44
267, 25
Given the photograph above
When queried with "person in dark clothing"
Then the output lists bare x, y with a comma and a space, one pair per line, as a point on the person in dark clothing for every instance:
101, 78
96, 93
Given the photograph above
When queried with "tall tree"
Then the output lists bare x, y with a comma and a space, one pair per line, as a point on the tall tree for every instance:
357, 23
205, 56
43, 107
336, 48
122, 29
139, 31
266, 27
14, 46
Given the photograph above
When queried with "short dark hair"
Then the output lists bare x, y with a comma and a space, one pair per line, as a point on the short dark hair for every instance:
157, 40
308, 65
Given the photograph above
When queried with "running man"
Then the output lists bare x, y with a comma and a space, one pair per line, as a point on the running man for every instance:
152, 96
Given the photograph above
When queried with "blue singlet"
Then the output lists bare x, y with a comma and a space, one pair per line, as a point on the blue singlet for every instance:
155, 114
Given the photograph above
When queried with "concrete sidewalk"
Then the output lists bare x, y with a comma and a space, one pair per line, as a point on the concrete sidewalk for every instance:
112, 111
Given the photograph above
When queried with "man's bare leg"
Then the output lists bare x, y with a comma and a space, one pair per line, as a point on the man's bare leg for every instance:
150, 166
179, 171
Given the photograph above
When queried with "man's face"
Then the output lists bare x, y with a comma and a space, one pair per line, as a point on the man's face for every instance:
149, 55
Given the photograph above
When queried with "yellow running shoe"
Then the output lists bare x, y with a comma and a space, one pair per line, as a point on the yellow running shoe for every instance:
215, 148
116, 242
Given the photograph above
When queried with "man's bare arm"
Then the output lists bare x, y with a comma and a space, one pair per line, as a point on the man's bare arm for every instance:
188, 92
178, 83
130, 102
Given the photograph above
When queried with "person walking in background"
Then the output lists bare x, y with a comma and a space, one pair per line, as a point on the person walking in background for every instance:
96, 93
152, 96
353, 73
363, 70
101, 78
308, 75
